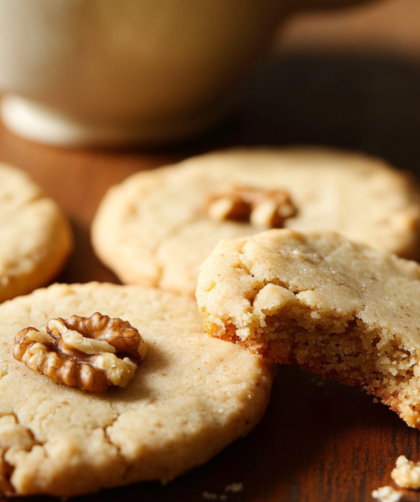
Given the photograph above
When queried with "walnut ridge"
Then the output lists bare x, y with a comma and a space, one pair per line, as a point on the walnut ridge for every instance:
87, 352
260, 207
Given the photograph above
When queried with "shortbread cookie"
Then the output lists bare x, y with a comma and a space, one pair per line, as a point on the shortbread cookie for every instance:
189, 398
318, 300
35, 237
156, 228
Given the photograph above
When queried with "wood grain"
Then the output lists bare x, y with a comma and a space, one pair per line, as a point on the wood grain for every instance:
319, 441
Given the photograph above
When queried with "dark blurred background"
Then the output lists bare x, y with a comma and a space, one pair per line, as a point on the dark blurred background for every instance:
389, 26
348, 78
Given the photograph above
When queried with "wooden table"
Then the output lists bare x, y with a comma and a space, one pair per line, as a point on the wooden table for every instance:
319, 441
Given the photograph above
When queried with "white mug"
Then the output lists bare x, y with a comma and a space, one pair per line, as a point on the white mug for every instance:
86, 72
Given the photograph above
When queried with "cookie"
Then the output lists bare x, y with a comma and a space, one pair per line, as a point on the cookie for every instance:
35, 236
406, 473
188, 399
387, 494
318, 300
156, 228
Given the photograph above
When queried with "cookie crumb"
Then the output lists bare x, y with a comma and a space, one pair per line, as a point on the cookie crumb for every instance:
375, 400
210, 496
406, 473
386, 494
234, 487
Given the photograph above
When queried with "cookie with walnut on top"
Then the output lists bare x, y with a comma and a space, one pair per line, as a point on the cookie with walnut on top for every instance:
157, 227
105, 385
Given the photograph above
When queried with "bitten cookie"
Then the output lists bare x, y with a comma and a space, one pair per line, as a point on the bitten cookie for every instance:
156, 228
35, 236
188, 398
318, 300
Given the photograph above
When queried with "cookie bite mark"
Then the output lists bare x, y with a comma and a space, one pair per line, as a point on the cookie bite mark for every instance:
350, 353
260, 207
324, 303
92, 353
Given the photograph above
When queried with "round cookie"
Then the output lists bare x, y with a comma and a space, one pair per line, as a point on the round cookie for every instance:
318, 300
152, 229
35, 237
188, 399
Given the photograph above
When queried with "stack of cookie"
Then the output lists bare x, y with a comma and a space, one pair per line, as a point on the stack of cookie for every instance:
104, 385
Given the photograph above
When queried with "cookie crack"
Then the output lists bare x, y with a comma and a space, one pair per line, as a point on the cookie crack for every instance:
106, 429
14, 438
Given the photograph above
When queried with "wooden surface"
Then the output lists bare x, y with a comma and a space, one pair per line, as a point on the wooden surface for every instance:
319, 441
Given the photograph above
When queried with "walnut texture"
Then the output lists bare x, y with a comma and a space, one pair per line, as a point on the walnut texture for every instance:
262, 208
92, 353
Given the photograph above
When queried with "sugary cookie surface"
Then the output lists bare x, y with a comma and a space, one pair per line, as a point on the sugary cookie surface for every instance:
156, 228
323, 302
189, 398
35, 237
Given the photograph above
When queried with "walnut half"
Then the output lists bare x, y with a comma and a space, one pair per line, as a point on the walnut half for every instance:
87, 352
259, 207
